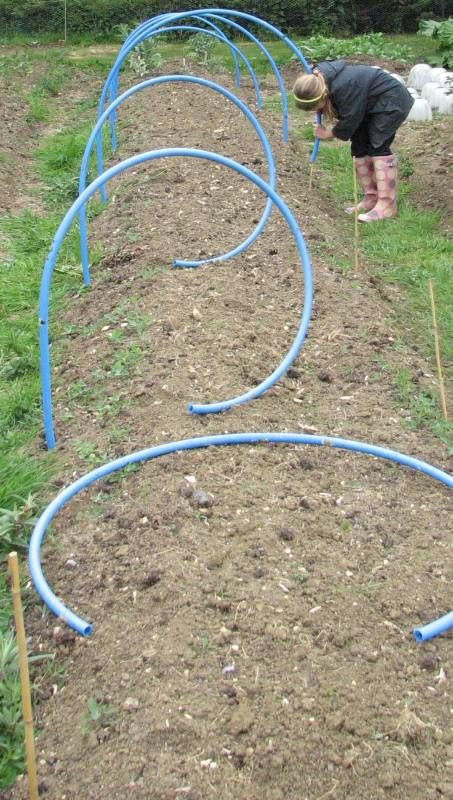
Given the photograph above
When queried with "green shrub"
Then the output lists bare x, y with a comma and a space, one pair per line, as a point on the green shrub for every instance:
443, 33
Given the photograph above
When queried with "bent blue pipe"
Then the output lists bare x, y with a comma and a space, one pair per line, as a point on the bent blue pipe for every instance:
156, 82
85, 628
123, 54
434, 628
166, 18
66, 222
227, 12
114, 84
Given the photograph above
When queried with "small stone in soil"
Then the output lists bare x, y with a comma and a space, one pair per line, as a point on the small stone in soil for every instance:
150, 579
241, 720
286, 534
259, 573
325, 377
428, 661
131, 704
201, 500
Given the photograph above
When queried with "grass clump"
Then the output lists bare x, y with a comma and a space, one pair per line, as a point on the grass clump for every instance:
11, 726
25, 239
413, 251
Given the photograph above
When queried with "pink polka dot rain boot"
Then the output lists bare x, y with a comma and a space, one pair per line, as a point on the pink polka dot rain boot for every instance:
365, 175
386, 173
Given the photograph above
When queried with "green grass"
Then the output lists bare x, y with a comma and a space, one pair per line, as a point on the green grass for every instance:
423, 48
58, 163
409, 251
11, 729
410, 46
26, 469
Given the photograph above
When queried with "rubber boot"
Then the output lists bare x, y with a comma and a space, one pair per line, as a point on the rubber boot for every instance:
365, 175
386, 172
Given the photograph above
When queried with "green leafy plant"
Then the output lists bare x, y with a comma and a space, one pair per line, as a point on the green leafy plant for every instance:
11, 727
98, 715
443, 33
16, 523
145, 55
371, 44
200, 48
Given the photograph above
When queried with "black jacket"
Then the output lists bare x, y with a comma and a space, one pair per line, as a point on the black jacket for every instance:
357, 91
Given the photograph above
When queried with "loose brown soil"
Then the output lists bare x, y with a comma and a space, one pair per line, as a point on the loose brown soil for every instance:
252, 606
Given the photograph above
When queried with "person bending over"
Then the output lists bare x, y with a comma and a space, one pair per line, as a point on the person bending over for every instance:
366, 105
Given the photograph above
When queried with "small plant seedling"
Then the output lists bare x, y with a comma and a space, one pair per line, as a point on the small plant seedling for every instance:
201, 48
149, 273
16, 523
89, 453
98, 715
300, 575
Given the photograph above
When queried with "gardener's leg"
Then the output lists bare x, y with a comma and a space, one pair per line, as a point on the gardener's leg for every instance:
360, 146
382, 132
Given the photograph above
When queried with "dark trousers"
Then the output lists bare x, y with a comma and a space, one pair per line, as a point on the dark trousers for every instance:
372, 137
377, 130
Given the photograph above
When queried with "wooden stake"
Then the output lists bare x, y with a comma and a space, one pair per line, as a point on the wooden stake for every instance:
356, 218
24, 677
443, 401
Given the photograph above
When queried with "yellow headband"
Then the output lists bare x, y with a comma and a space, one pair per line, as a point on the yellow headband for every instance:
311, 100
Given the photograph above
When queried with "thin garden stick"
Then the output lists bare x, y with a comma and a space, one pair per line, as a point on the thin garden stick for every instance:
356, 219
443, 401
24, 677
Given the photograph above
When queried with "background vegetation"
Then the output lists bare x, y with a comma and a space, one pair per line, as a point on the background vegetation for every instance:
304, 17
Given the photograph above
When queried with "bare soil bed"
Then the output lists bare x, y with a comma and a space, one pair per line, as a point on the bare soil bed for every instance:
252, 606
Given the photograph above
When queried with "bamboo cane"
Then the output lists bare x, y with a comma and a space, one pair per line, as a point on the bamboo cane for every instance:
356, 218
443, 401
24, 677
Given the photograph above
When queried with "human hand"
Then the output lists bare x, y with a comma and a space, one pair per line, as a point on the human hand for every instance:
321, 132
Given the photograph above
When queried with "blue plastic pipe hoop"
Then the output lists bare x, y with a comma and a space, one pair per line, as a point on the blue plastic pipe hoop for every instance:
85, 628
138, 88
159, 21
112, 78
151, 28
222, 14
45, 369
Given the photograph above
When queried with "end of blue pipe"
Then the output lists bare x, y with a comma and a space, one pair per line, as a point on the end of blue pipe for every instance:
208, 408
87, 630
417, 634
187, 264
199, 408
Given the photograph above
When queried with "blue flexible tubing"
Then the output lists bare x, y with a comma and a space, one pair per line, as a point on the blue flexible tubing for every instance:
208, 12
113, 89
85, 628
155, 82
166, 18
244, 32
434, 628
154, 32
45, 367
